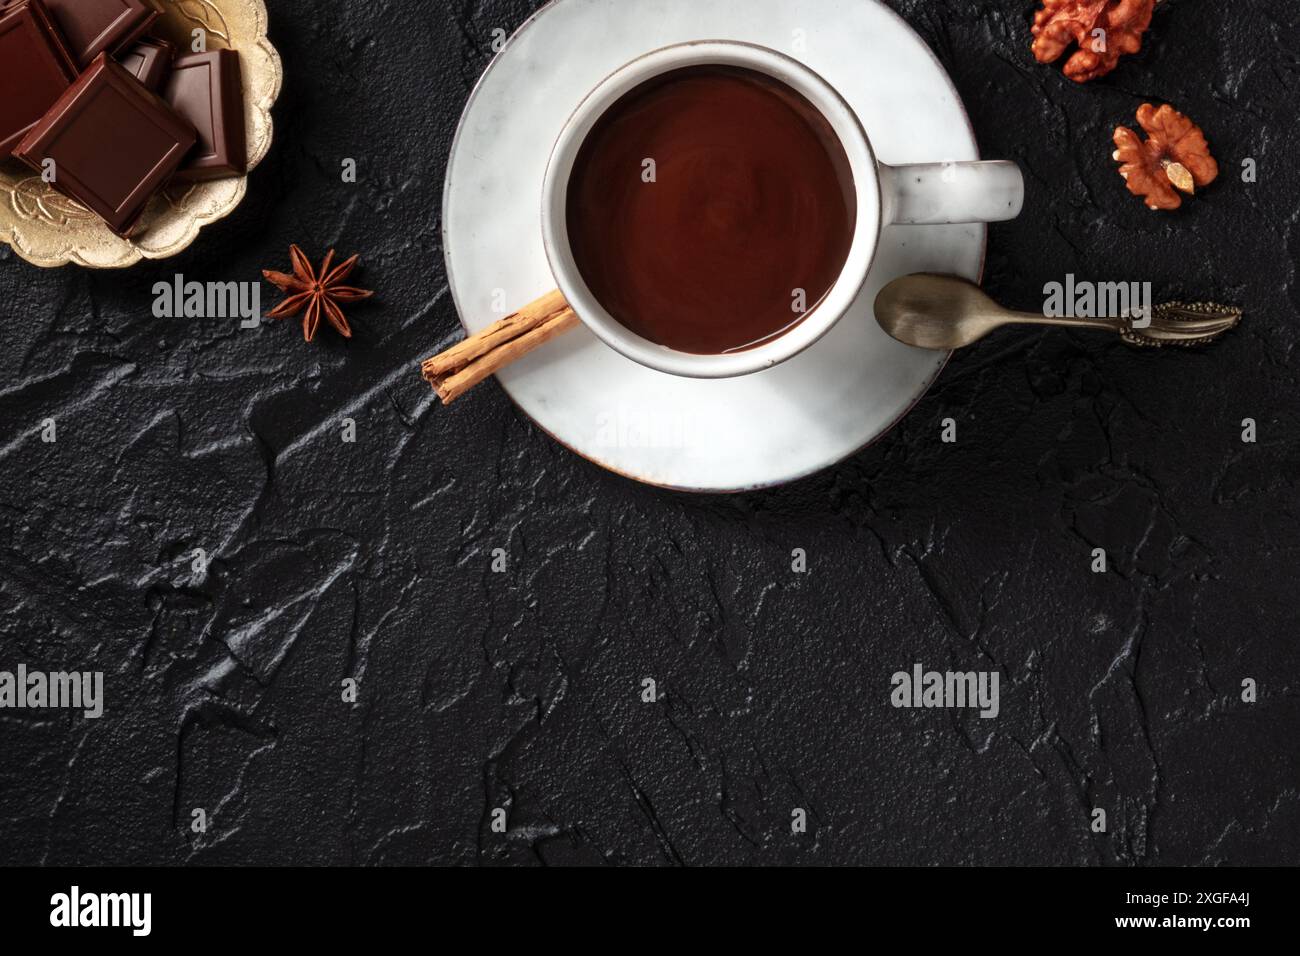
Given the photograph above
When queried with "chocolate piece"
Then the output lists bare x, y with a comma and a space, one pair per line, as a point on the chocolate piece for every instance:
149, 61
114, 144
91, 27
206, 89
35, 69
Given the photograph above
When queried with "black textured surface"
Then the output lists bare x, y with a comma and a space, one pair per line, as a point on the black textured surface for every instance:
522, 690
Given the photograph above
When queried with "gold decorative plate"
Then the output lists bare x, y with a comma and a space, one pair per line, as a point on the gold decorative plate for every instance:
48, 229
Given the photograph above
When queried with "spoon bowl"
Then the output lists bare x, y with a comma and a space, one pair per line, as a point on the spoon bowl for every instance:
937, 312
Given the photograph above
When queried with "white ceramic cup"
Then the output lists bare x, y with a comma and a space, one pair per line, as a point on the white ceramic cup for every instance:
929, 193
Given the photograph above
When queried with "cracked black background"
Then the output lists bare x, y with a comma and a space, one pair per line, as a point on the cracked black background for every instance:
522, 690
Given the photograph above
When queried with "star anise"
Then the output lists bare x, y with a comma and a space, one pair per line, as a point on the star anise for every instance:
319, 292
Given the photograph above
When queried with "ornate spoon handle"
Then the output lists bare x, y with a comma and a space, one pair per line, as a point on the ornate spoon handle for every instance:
1183, 323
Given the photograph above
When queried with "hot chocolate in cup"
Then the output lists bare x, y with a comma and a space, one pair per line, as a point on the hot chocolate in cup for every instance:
713, 208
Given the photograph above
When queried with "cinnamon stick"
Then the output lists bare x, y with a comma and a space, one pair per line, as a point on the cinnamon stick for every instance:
461, 367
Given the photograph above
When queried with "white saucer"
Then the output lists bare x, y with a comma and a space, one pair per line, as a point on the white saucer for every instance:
721, 435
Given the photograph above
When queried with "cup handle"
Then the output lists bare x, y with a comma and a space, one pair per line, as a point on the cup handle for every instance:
937, 193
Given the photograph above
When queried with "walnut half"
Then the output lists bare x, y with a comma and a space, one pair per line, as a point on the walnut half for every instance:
1175, 157
1103, 30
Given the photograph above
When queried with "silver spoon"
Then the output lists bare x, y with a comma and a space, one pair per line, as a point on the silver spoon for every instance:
945, 312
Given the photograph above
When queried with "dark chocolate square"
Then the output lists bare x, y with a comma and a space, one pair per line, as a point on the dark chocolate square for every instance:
35, 69
92, 27
114, 144
149, 60
207, 89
